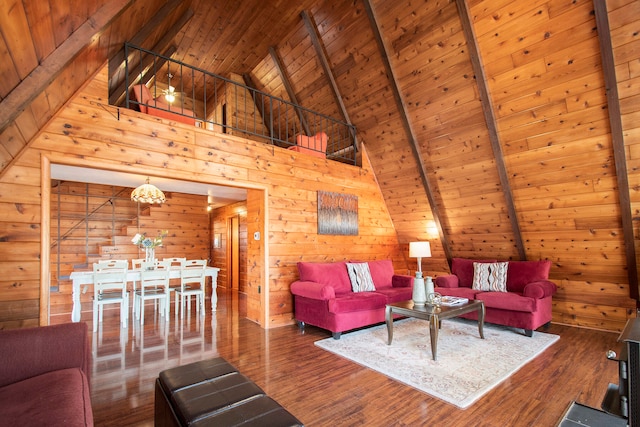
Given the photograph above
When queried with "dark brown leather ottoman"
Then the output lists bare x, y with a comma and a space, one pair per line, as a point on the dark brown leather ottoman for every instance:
212, 392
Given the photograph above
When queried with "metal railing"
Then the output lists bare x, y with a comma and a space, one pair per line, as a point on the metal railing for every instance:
227, 106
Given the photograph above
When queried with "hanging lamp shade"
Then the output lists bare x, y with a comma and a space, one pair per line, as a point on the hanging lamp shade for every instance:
147, 193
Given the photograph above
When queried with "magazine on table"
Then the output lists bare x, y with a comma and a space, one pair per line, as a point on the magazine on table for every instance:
449, 301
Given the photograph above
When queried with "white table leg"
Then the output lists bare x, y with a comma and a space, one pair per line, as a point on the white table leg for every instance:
214, 294
76, 311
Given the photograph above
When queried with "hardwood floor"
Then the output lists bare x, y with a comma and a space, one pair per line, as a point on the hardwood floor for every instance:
322, 389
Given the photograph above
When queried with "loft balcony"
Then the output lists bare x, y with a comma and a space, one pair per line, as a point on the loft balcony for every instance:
164, 87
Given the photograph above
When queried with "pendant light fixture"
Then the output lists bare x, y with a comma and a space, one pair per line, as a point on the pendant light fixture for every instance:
147, 193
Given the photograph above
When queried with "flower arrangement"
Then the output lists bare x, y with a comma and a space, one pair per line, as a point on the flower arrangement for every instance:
145, 242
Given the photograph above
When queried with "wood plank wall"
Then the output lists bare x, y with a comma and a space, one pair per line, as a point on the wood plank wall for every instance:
543, 68
549, 98
625, 38
89, 133
242, 112
56, 46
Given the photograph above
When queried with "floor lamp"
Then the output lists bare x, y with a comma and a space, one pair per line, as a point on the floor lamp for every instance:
420, 250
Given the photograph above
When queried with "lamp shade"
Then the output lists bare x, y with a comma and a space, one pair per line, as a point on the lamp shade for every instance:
419, 250
147, 193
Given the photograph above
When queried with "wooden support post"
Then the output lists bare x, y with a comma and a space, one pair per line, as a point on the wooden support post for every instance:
289, 88
617, 137
324, 61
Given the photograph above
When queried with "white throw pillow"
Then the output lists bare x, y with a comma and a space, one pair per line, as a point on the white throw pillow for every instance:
490, 276
360, 277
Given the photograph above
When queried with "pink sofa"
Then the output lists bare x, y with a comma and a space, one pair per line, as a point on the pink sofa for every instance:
44, 376
526, 304
323, 295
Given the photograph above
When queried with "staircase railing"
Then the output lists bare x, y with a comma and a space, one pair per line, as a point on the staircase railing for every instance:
84, 221
229, 106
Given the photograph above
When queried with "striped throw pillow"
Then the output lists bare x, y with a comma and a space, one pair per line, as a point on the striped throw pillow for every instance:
490, 276
360, 277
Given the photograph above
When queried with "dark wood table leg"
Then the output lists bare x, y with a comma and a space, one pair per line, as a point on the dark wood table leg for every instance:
481, 321
434, 326
389, 320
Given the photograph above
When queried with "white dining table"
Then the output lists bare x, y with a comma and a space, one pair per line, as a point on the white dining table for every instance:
85, 278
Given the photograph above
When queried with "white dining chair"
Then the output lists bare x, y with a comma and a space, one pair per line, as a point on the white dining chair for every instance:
174, 263
192, 283
154, 285
136, 264
110, 287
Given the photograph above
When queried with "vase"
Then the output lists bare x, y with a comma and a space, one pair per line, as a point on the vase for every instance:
150, 256
419, 296
428, 285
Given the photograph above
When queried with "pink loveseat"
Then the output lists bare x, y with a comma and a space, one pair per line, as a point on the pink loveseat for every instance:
44, 376
526, 304
324, 296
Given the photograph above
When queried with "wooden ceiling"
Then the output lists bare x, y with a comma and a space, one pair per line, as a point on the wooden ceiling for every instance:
495, 128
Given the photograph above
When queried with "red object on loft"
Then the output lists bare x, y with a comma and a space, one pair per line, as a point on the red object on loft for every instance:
315, 145
148, 105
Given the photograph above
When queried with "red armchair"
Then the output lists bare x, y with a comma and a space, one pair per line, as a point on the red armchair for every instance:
315, 145
44, 376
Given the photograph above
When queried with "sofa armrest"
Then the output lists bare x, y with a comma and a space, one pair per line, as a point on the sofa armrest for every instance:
26, 353
313, 290
540, 289
447, 281
401, 281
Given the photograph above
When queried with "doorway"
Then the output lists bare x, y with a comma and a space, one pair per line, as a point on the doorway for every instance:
234, 252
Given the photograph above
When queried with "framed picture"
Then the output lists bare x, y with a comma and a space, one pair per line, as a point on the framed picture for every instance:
337, 213
217, 240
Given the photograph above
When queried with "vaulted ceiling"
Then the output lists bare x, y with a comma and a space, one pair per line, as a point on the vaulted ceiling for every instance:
495, 128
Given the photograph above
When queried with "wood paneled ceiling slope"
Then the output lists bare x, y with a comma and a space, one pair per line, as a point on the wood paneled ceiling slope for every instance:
495, 128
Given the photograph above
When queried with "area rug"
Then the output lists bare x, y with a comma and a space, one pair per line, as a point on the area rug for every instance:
467, 366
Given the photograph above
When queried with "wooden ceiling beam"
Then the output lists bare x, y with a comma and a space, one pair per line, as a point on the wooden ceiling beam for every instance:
42, 77
117, 63
617, 137
490, 120
413, 141
146, 31
289, 88
140, 73
324, 61
258, 101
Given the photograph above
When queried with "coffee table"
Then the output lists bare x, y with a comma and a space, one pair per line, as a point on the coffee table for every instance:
435, 315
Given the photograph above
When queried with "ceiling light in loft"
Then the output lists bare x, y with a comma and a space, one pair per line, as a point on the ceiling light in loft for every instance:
148, 193
169, 94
